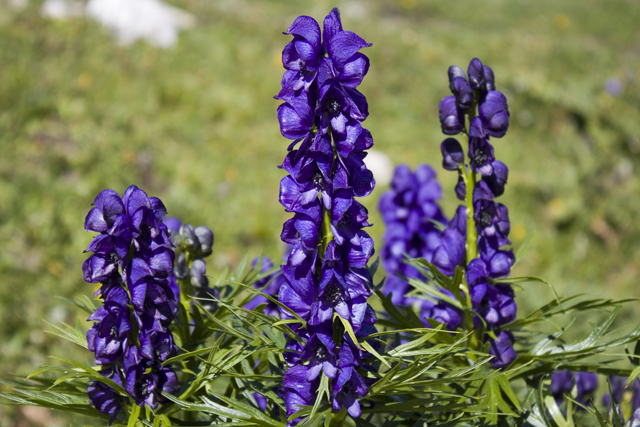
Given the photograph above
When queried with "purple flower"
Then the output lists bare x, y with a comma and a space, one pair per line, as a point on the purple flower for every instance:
451, 119
452, 154
460, 88
297, 390
107, 338
349, 385
320, 351
451, 253
104, 398
480, 149
561, 384
502, 350
133, 259
492, 220
494, 113
442, 312
302, 55
477, 79
493, 303
108, 205
408, 210
587, 384
498, 178
324, 274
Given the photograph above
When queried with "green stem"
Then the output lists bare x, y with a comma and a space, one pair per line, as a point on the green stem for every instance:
469, 177
327, 235
473, 343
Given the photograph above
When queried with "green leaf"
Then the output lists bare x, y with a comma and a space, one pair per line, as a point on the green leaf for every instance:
75, 335
323, 390
634, 374
523, 249
348, 329
506, 389
133, 417
371, 350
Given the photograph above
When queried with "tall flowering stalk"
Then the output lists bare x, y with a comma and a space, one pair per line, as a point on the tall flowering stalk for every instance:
410, 212
132, 260
476, 238
325, 273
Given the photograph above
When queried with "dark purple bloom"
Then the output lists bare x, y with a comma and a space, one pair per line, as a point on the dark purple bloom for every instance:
324, 274
587, 384
409, 210
107, 338
502, 350
477, 79
460, 188
494, 113
104, 398
302, 55
451, 119
452, 154
108, 205
561, 384
480, 149
498, 261
320, 351
451, 252
494, 303
442, 312
297, 390
349, 385
460, 88
492, 220
156, 346
498, 178
301, 232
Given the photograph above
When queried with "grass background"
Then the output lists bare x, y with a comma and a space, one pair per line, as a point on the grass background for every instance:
195, 125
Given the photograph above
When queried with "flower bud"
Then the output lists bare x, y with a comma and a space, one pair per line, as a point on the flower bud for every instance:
181, 269
460, 87
490, 83
198, 273
476, 75
461, 188
494, 113
205, 237
451, 119
189, 238
452, 154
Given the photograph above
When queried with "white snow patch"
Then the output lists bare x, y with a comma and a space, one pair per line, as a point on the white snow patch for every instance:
61, 9
381, 166
151, 20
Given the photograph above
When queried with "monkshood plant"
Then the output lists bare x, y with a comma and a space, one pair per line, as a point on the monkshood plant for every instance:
315, 341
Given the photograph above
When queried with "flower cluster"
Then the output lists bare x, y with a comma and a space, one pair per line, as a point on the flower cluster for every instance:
409, 210
132, 259
477, 237
325, 274
562, 382
192, 245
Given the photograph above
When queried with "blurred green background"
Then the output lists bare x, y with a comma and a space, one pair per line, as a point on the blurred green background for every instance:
195, 125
